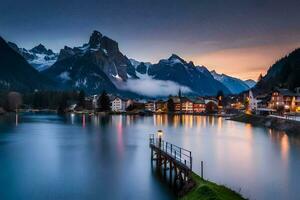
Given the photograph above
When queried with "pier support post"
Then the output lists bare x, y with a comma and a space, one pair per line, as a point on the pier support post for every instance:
151, 155
171, 170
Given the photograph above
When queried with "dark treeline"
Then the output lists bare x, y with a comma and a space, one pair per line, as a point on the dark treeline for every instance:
50, 99
103, 102
56, 100
3, 99
53, 100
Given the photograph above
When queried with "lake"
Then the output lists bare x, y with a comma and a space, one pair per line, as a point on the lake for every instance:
45, 156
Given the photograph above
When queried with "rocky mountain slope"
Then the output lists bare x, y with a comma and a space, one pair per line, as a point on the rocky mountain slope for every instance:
284, 73
197, 78
17, 74
100, 65
39, 57
94, 66
251, 83
235, 85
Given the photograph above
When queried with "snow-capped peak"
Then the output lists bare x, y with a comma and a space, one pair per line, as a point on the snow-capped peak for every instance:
41, 49
39, 56
235, 85
134, 62
175, 59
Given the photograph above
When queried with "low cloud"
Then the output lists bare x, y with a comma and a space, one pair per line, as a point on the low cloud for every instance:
148, 86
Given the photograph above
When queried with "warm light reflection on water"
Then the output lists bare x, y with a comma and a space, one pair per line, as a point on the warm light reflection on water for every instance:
285, 147
232, 149
264, 163
281, 138
83, 120
119, 128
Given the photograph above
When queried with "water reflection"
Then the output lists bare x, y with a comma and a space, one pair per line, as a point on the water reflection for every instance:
83, 120
84, 150
281, 139
72, 117
187, 121
119, 127
219, 124
17, 119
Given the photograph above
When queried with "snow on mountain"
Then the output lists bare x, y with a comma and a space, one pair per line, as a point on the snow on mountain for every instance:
43, 61
235, 85
95, 66
15, 72
251, 83
99, 65
185, 74
134, 62
39, 57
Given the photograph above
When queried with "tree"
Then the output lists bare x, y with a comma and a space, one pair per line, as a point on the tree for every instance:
14, 100
259, 77
37, 100
179, 93
170, 104
220, 97
3, 99
211, 107
81, 99
131, 107
63, 104
103, 102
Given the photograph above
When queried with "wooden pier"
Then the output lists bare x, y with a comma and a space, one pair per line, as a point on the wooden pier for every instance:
173, 161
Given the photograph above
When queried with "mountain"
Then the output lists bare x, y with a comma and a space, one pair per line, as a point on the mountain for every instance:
39, 57
284, 73
99, 65
17, 74
140, 67
234, 85
251, 83
197, 78
95, 66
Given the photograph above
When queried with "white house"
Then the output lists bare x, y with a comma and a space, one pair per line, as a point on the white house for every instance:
255, 102
95, 101
118, 105
252, 101
150, 105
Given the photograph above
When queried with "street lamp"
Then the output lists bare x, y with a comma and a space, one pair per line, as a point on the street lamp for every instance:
159, 134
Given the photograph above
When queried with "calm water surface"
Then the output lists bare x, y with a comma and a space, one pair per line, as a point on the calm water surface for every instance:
75, 157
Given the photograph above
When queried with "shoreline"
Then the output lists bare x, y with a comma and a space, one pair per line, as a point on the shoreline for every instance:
137, 112
205, 189
280, 124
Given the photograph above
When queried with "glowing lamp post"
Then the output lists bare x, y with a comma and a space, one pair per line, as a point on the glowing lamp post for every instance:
159, 134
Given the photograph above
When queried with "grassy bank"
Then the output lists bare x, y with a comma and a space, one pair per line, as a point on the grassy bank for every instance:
206, 190
289, 126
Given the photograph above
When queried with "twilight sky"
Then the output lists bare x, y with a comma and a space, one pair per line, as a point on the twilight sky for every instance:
237, 37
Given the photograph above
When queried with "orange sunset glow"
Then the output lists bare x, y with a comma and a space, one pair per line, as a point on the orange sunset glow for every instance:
244, 63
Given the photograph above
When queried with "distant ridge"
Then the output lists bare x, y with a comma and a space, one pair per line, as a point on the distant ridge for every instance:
235, 85
39, 57
17, 74
285, 73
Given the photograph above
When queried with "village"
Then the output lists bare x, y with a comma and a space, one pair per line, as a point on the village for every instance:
279, 102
